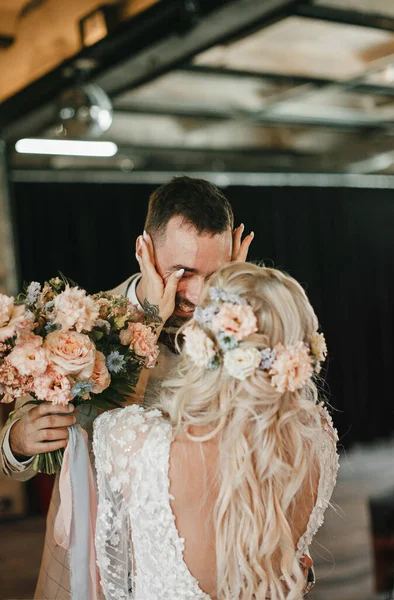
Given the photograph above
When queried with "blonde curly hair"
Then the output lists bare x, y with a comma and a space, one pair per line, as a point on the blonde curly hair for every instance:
268, 468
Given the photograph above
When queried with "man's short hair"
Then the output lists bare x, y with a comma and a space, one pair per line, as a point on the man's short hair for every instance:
200, 203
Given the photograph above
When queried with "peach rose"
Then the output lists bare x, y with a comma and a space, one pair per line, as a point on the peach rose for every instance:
100, 376
71, 353
73, 308
10, 317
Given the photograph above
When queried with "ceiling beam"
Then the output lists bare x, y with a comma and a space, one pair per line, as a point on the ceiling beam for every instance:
352, 121
347, 17
357, 85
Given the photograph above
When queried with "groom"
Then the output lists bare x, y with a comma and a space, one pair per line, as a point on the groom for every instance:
190, 226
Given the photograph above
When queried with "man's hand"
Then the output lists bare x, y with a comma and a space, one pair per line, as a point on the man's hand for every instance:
241, 246
155, 290
42, 429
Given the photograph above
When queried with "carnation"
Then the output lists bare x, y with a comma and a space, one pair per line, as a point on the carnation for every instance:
242, 362
142, 340
53, 387
74, 309
13, 383
235, 319
198, 346
292, 367
11, 317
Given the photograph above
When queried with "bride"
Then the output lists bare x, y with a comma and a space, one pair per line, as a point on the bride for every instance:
217, 492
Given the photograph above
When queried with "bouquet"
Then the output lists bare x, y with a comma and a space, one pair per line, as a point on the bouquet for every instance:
59, 344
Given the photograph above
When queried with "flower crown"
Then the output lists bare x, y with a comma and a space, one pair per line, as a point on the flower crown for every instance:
231, 320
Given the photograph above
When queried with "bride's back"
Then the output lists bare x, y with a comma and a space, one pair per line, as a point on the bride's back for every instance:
194, 474
194, 487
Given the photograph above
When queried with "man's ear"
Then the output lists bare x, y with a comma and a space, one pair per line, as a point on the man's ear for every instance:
138, 246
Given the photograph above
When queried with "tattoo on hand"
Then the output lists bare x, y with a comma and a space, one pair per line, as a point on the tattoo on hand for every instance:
152, 316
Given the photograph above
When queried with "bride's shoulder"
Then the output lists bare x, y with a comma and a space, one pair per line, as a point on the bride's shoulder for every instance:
134, 418
119, 435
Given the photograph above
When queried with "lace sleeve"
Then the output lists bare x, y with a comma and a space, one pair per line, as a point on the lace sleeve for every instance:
118, 437
328, 464
114, 557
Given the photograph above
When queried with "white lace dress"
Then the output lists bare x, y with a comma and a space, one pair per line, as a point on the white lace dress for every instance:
139, 551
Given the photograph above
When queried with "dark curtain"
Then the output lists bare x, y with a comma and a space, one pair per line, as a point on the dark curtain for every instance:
337, 242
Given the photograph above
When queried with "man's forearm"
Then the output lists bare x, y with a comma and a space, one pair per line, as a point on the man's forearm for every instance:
9, 464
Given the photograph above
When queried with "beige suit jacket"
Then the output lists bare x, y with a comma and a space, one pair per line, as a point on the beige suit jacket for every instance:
54, 577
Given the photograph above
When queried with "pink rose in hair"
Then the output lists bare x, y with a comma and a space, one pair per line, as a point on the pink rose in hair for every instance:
73, 308
142, 340
292, 367
71, 353
100, 376
237, 320
11, 317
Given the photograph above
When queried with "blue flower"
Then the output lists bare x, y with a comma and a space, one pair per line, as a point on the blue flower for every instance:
214, 362
203, 316
226, 341
115, 361
267, 358
52, 326
218, 294
81, 388
33, 292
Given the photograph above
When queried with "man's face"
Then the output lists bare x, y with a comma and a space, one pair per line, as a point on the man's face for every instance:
200, 254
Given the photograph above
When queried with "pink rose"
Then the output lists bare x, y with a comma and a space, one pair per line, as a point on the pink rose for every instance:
71, 353
73, 308
142, 340
11, 317
100, 376
29, 358
237, 320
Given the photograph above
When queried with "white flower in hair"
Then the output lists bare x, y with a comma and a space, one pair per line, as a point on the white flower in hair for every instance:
242, 362
198, 346
318, 347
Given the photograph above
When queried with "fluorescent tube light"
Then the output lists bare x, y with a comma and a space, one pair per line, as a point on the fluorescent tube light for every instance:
65, 147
